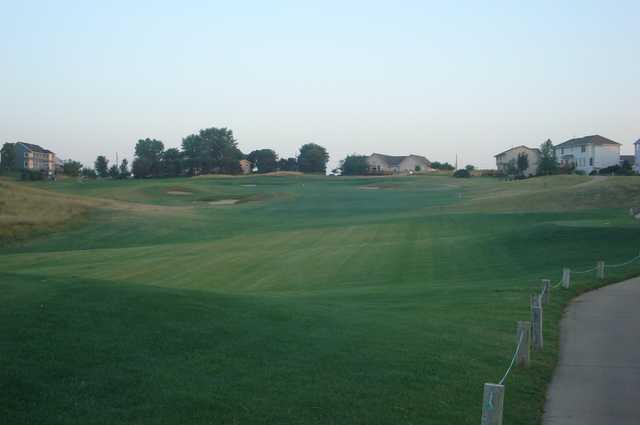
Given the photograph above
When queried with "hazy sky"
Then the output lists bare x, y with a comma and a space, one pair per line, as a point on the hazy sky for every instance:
398, 77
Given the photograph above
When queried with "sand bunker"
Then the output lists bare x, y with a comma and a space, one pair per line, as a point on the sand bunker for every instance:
224, 202
179, 193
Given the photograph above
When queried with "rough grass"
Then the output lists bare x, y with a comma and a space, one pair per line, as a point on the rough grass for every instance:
24, 210
320, 304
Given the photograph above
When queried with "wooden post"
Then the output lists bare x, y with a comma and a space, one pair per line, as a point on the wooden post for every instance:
524, 353
566, 278
600, 271
536, 323
546, 289
492, 404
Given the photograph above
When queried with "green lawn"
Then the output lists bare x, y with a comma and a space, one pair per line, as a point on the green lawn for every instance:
312, 301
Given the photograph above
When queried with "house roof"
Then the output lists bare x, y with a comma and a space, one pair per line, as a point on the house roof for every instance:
637, 142
517, 147
34, 148
595, 140
395, 160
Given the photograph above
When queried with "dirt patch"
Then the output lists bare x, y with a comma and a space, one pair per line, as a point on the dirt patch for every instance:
179, 193
222, 202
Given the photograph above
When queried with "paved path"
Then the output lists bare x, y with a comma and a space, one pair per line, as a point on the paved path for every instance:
597, 381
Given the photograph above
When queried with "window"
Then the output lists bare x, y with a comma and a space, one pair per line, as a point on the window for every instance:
561, 151
591, 161
583, 149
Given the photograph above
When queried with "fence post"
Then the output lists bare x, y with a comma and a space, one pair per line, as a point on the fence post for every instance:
536, 323
524, 353
492, 404
546, 287
600, 271
566, 278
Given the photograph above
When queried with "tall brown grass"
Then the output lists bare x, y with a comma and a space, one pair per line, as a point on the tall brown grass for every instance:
24, 210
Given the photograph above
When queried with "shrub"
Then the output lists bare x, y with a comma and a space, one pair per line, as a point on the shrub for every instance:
580, 172
31, 175
464, 173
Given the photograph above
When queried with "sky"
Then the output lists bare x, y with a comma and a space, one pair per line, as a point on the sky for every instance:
438, 79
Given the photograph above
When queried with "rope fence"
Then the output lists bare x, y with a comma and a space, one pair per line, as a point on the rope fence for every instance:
529, 334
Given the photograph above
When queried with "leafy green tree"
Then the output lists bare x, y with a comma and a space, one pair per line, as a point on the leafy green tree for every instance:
470, 168
102, 166
124, 169
522, 163
464, 173
548, 164
8, 156
265, 160
289, 164
114, 171
172, 163
442, 166
511, 169
211, 150
148, 155
71, 168
89, 173
355, 165
313, 158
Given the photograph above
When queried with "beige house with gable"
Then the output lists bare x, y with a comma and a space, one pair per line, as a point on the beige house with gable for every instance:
510, 156
379, 163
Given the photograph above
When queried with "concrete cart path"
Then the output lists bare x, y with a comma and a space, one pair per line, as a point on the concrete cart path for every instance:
597, 381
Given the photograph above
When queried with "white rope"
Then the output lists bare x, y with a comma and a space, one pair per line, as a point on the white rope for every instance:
585, 271
513, 360
623, 264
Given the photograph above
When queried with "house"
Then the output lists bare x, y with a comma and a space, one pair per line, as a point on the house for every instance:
245, 166
636, 166
35, 158
388, 164
590, 153
509, 158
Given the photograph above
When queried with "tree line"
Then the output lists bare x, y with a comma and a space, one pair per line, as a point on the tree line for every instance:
210, 151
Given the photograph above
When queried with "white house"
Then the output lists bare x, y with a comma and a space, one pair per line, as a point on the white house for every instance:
510, 157
588, 153
379, 163
636, 167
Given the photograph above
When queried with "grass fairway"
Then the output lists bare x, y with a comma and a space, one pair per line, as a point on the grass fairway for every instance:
310, 301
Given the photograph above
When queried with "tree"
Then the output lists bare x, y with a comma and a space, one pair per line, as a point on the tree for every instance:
354, 165
102, 166
289, 164
172, 163
114, 171
470, 168
265, 160
548, 164
8, 156
148, 153
511, 169
313, 158
89, 173
522, 163
442, 166
124, 169
464, 173
71, 168
211, 150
